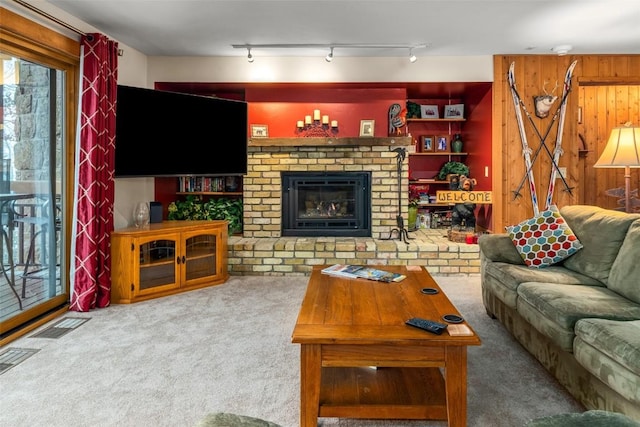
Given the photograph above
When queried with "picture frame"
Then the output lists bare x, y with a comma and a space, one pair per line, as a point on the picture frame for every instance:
367, 128
429, 112
454, 111
427, 143
259, 131
442, 144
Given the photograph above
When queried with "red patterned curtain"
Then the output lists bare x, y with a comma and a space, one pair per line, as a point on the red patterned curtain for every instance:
94, 187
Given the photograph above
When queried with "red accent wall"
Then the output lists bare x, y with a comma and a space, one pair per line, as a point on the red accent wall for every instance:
280, 110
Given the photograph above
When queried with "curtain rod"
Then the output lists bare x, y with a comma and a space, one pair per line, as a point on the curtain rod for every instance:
58, 21
50, 17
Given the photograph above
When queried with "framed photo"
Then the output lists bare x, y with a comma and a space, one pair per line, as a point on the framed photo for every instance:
429, 112
367, 127
454, 111
427, 144
442, 144
259, 131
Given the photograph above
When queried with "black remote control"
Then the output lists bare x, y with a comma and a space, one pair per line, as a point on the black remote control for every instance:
427, 325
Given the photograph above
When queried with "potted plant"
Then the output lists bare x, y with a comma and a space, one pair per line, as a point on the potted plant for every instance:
195, 208
449, 168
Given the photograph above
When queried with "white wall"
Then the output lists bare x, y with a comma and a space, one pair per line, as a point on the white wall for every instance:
312, 69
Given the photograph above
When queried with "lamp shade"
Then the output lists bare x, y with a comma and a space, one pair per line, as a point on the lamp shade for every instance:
622, 149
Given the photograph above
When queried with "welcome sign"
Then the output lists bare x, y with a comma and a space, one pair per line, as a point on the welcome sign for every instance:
478, 197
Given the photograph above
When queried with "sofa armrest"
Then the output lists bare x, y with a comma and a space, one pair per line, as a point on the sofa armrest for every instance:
499, 248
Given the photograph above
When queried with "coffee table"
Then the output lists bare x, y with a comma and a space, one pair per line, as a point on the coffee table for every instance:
358, 359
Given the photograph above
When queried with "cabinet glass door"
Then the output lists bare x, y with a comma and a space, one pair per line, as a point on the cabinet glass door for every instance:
157, 264
200, 250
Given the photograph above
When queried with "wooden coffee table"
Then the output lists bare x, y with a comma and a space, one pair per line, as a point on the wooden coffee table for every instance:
358, 359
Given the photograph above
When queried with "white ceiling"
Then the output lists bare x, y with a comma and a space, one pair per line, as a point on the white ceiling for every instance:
447, 27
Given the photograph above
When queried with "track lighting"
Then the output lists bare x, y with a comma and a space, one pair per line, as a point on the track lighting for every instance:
331, 47
329, 56
412, 57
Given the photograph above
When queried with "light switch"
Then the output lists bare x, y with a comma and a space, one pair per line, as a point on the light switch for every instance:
563, 172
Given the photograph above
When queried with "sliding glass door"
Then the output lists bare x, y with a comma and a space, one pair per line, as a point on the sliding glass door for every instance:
31, 190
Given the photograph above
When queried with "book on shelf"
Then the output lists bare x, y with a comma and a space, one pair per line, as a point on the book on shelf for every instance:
363, 272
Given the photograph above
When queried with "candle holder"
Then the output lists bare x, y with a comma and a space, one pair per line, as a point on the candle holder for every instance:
316, 128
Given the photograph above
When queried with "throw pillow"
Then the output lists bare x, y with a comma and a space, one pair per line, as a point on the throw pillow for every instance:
545, 239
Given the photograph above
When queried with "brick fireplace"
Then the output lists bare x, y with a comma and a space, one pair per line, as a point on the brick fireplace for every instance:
263, 250
263, 183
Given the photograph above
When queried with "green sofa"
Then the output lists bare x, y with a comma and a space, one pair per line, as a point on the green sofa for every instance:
580, 317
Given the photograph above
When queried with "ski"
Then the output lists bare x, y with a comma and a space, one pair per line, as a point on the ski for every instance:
557, 152
526, 150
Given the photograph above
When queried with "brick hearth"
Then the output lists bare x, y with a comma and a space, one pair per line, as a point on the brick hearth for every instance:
297, 255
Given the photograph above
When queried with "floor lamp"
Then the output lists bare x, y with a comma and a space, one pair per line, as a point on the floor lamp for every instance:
622, 151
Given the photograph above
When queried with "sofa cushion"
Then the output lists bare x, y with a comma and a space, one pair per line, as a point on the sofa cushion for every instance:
554, 309
545, 239
610, 350
602, 232
503, 278
499, 248
625, 271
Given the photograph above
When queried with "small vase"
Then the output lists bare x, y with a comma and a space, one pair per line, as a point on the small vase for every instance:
141, 215
456, 144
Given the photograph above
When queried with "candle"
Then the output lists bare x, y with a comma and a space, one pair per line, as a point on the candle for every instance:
316, 114
300, 124
334, 123
325, 120
307, 120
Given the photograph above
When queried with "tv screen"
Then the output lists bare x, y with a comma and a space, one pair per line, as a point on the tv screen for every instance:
161, 133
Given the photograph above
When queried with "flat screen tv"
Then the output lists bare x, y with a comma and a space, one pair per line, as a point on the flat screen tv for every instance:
160, 133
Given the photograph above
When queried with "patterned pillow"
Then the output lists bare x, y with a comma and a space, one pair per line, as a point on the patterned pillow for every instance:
544, 239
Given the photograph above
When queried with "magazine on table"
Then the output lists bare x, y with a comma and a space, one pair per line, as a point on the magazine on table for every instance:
363, 272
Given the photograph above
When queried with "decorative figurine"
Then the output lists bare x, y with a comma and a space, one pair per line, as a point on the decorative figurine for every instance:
397, 120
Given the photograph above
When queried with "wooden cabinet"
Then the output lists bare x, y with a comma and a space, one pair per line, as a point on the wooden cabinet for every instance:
167, 258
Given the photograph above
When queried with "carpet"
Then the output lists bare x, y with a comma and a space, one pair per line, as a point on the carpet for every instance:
173, 360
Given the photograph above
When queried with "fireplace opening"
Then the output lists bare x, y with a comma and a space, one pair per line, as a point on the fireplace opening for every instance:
326, 204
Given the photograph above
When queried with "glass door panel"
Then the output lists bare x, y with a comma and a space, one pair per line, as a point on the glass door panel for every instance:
157, 264
32, 123
201, 256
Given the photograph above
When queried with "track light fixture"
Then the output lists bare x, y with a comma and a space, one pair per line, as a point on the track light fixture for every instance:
412, 57
331, 47
329, 56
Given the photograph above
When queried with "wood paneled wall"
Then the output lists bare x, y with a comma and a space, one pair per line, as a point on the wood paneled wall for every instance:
605, 93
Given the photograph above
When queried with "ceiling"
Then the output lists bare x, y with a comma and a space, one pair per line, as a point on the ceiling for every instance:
445, 27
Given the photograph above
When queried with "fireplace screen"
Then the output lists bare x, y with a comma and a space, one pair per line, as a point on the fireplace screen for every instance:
326, 204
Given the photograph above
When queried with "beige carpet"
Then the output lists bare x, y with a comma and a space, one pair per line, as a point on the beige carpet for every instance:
173, 360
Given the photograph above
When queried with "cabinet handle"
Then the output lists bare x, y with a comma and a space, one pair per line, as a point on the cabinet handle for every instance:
178, 259
184, 259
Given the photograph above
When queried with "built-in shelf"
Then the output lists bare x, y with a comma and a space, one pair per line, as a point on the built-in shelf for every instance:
439, 154
330, 141
427, 181
436, 120
210, 193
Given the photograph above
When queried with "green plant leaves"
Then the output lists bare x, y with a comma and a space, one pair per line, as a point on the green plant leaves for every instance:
195, 208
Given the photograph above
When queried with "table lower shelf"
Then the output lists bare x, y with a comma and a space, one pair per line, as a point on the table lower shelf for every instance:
384, 393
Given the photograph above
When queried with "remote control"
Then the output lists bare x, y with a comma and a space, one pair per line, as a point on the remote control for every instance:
427, 325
